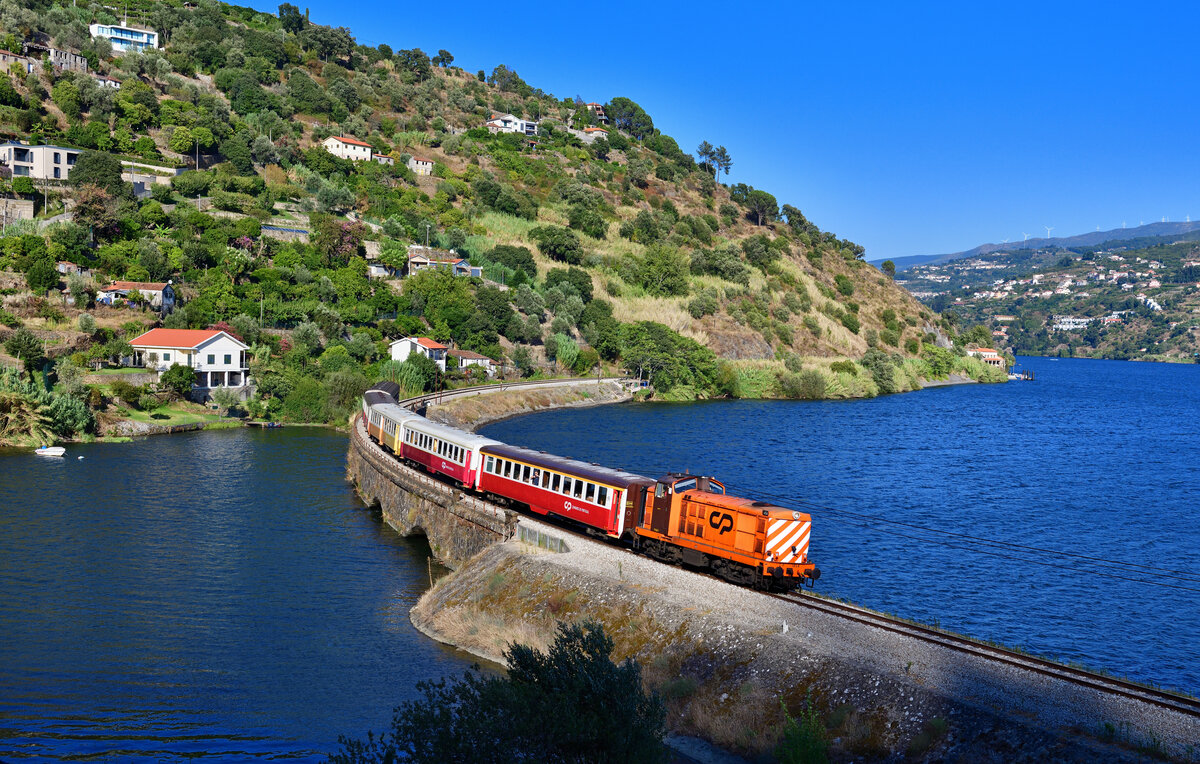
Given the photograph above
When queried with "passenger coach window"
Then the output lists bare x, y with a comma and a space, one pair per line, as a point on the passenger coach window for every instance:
556, 482
490, 465
537, 477
578, 489
525, 474
508, 469
602, 496
591, 493
566, 486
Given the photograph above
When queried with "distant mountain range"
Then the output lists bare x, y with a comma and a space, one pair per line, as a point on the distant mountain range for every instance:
1066, 242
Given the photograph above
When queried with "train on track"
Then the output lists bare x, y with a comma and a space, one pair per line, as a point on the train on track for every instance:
678, 518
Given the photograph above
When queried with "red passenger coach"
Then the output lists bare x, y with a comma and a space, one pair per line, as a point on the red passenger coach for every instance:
444, 450
598, 497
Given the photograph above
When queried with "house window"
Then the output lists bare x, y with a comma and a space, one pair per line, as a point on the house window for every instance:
166, 356
212, 358
57, 158
57, 172
228, 359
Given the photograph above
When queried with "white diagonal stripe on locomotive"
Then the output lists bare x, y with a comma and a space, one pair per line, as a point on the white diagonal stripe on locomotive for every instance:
795, 535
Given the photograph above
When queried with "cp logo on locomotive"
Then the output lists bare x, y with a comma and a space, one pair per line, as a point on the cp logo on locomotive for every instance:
722, 521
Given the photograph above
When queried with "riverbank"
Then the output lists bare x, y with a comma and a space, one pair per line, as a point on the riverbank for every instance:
724, 658
470, 413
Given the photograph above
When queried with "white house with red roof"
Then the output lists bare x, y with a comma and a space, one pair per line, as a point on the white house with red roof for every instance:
158, 294
434, 351
219, 359
345, 147
420, 166
987, 355
598, 110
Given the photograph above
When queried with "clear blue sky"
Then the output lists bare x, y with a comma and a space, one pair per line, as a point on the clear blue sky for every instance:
912, 130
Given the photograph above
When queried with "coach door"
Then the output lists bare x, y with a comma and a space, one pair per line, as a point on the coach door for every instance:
660, 518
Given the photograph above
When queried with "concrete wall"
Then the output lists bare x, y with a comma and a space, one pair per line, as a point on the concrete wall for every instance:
457, 525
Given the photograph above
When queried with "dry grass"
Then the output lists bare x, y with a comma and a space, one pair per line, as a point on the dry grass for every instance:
671, 311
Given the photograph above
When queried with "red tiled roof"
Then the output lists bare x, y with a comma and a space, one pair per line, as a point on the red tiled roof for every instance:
594, 130
422, 159
141, 286
351, 141
428, 343
174, 338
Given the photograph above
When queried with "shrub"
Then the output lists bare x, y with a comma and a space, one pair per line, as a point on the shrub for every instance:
850, 367
888, 337
558, 243
850, 321
806, 385
703, 304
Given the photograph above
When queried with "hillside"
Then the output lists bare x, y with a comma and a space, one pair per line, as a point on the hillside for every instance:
599, 240
1134, 300
1091, 239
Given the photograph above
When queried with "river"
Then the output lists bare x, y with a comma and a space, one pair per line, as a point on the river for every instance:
217, 594
944, 505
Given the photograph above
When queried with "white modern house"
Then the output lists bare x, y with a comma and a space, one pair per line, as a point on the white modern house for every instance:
125, 38
508, 123
157, 294
219, 360
471, 358
345, 147
38, 162
434, 351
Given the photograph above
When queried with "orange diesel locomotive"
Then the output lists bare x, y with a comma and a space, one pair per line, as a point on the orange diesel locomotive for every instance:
684, 519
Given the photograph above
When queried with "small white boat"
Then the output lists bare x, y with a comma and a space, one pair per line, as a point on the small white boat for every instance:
50, 451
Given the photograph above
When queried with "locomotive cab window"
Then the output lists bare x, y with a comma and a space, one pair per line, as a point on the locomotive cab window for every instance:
660, 490
685, 485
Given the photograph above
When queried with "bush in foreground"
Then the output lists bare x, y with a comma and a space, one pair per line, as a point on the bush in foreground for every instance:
569, 704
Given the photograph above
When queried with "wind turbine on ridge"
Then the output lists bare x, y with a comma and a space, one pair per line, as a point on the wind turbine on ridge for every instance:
1048, 228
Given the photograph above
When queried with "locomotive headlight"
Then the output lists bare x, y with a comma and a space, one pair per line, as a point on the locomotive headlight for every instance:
795, 515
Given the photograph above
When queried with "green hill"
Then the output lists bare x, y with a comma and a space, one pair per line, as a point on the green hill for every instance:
622, 250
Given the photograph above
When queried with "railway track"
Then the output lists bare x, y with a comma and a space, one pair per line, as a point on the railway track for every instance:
1181, 704
462, 392
1178, 703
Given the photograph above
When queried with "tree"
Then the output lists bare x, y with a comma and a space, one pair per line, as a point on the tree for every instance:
708, 156
291, 18
663, 271
178, 379
25, 345
41, 276
517, 258
181, 140
888, 267
97, 208
630, 117
415, 62
519, 717
23, 186
558, 243
762, 205
96, 168
722, 160
443, 58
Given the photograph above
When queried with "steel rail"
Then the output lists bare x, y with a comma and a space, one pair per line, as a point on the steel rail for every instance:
1179, 703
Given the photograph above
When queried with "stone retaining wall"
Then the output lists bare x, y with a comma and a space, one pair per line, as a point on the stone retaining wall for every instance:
458, 525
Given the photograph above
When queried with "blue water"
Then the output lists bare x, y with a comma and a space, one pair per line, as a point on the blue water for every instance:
218, 594
1095, 458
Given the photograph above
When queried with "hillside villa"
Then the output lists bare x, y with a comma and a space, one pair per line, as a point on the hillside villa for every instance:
467, 358
420, 166
421, 258
434, 351
157, 294
345, 147
988, 356
508, 123
219, 359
